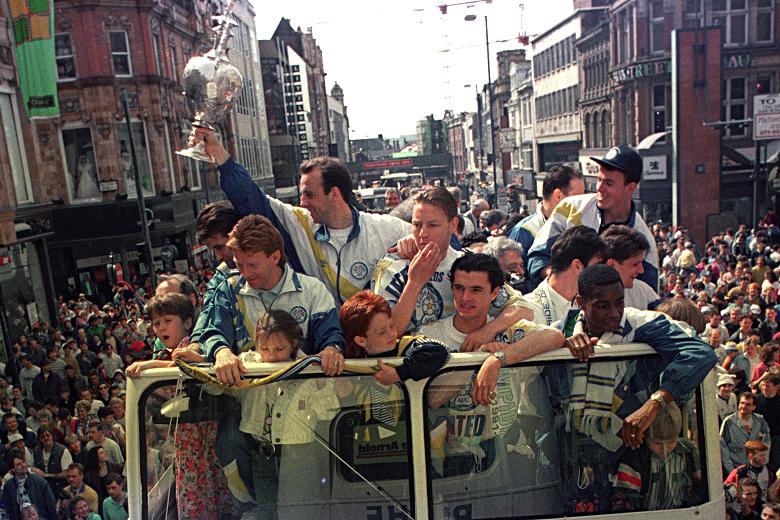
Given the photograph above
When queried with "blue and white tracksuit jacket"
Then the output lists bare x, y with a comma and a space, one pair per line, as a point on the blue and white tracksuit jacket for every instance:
526, 230
221, 273
684, 360
582, 210
309, 249
232, 314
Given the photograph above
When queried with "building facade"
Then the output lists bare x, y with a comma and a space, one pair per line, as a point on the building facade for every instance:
248, 117
642, 91
68, 201
339, 124
312, 68
556, 77
595, 98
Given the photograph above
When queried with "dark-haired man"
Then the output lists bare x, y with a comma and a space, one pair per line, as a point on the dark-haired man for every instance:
626, 249
476, 280
26, 488
420, 291
325, 237
620, 171
575, 249
605, 405
560, 182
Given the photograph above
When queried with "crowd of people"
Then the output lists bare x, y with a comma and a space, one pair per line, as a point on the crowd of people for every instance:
324, 278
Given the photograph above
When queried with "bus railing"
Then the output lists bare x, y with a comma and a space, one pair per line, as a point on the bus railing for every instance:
428, 494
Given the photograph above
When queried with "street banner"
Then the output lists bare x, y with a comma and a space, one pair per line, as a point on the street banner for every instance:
33, 30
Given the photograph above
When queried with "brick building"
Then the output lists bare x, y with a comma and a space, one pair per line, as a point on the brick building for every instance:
640, 74
66, 189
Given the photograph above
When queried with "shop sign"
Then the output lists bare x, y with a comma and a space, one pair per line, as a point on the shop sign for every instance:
654, 168
766, 116
736, 61
641, 70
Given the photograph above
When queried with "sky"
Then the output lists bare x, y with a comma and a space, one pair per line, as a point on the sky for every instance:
400, 60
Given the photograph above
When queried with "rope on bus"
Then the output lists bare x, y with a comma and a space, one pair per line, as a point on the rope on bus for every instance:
291, 370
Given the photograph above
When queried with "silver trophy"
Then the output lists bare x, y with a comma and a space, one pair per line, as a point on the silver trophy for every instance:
211, 84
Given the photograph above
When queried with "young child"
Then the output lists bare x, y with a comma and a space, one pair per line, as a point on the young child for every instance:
200, 484
758, 455
279, 414
662, 473
369, 332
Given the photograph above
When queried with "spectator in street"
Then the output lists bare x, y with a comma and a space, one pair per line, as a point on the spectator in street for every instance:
392, 199
98, 438
471, 217
739, 428
79, 509
11, 426
111, 360
74, 447
50, 460
25, 487
97, 470
757, 454
769, 358
46, 385
27, 375
115, 505
490, 222
510, 257
726, 400
768, 407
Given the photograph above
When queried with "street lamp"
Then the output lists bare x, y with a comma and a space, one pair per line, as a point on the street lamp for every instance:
471, 18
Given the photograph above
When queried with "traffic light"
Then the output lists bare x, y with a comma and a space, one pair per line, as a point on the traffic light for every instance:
443, 8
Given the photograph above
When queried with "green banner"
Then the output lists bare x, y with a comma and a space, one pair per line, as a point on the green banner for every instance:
33, 29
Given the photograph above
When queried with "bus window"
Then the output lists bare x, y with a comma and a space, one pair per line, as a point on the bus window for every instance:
549, 445
312, 447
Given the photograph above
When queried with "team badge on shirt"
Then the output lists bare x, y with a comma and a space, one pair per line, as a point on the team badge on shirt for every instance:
299, 313
359, 270
429, 306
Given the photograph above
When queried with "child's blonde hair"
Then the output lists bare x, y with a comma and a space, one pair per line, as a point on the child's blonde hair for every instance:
279, 321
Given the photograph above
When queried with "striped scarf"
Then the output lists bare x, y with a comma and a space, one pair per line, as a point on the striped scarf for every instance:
592, 403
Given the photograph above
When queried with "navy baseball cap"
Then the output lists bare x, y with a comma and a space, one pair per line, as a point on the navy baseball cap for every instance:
622, 158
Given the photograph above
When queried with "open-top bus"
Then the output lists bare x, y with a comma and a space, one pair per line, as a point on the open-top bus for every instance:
414, 454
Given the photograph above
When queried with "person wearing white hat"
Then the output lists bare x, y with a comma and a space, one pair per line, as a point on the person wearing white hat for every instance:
727, 401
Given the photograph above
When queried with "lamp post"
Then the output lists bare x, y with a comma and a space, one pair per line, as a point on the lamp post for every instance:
470, 18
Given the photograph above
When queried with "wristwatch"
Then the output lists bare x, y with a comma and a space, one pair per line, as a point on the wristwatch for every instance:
658, 397
501, 357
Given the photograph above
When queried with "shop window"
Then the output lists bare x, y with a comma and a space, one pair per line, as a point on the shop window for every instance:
66, 65
120, 53
80, 164
142, 157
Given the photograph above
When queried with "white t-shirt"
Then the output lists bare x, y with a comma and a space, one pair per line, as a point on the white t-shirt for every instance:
554, 307
339, 236
640, 296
